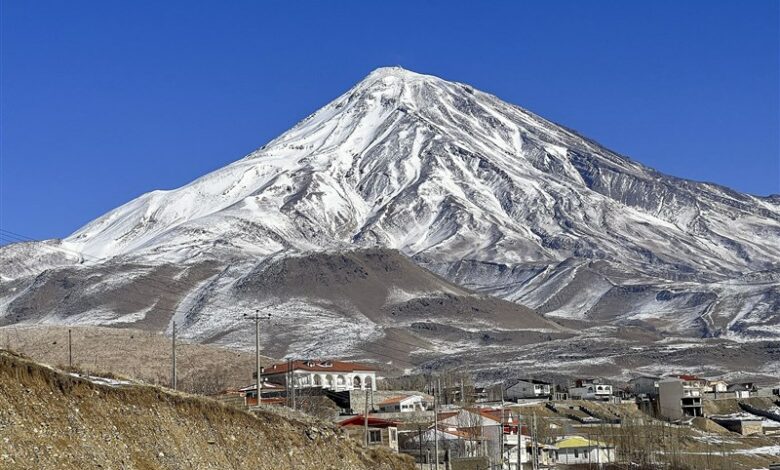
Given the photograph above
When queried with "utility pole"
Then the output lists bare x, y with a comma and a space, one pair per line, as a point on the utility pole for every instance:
259, 381
535, 449
258, 369
173, 356
436, 422
70, 351
287, 383
292, 379
501, 429
419, 441
520, 446
365, 420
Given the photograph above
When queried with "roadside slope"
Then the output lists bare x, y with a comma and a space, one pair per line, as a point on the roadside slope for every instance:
141, 355
49, 420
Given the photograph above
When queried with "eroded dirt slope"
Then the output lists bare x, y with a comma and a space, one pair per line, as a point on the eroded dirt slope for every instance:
50, 420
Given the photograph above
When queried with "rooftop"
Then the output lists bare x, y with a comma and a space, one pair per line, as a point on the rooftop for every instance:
360, 420
395, 400
312, 365
572, 442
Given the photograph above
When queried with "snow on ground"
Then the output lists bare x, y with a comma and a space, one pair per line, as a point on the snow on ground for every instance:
765, 422
102, 380
765, 450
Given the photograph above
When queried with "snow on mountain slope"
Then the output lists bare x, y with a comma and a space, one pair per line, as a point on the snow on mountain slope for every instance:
479, 191
431, 167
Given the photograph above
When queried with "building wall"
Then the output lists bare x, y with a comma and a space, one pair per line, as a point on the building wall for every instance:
338, 381
749, 428
388, 436
744, 427
585, 455
591, 392
645, 385
670, 393
524, 389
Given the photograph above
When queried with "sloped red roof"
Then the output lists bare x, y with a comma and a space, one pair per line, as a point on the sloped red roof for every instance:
359, 420
318, 366
688, 377
394, 400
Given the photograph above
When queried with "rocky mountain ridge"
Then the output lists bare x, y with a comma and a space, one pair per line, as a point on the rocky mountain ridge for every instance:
490, 197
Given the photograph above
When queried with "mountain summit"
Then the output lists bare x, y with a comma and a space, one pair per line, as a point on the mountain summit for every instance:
426, 166
488, 195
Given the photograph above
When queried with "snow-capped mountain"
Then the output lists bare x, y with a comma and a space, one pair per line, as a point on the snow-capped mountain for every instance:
486, 194
432, 167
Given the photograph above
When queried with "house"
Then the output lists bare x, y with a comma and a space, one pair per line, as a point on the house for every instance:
743, 390
717, 386
381, 432
457, 441
338, 376
402, 404
528, 388
678, 400
696, 385
482, 425
472, 417
645, 385
579, 450
590, 389
516, 439
481, 394
545, 455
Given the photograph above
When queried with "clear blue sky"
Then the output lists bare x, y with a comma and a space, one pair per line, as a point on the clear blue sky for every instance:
105, 100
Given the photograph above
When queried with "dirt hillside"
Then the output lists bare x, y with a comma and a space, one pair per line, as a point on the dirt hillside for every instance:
50, 420
139, 354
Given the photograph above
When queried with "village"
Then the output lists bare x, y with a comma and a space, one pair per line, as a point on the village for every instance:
446, 422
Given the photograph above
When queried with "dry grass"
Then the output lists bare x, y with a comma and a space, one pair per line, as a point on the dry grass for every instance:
50, 420
136, 354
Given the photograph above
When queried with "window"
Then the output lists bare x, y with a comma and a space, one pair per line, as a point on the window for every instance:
374, 437
393, 435
576, 453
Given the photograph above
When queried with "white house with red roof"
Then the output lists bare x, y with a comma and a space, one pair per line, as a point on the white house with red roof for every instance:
402, 404
332, 375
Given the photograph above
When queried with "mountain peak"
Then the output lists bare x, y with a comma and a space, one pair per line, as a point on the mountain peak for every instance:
393, 70
397, 73
427, 166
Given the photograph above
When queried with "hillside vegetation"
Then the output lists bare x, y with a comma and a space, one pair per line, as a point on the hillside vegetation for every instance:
138, 354
51, 420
